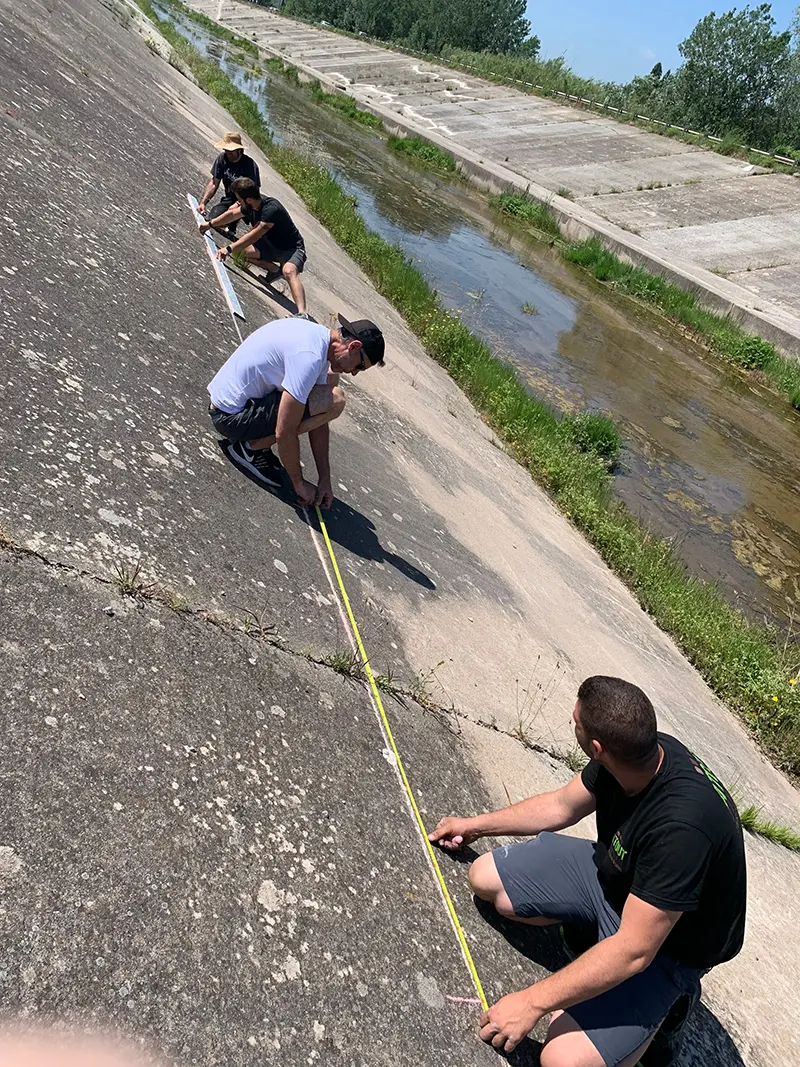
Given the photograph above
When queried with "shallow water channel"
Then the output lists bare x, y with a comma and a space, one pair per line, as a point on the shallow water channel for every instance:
711, 459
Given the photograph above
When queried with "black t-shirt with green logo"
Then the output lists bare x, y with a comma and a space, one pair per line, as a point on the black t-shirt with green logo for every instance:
676, 845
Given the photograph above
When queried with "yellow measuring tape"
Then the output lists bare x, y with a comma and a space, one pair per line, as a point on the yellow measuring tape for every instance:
403, 776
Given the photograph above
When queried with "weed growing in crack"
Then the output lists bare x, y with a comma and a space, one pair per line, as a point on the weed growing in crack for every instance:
575, 758
130, 582
254, 626
346, 663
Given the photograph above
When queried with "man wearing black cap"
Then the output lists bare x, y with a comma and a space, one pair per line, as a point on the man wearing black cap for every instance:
282, 381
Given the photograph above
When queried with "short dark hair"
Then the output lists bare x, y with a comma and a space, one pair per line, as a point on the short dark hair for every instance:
245, 188
620, 716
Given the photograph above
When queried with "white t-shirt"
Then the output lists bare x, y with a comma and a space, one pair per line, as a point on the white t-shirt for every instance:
288, 354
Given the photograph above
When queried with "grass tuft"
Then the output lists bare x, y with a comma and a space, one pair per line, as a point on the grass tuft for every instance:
533, 212
529, 309
424, 152
773, 831
747, 665
130, 582
346, 106
346, 663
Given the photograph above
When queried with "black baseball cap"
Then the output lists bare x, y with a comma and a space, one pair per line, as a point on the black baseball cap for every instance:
368, 334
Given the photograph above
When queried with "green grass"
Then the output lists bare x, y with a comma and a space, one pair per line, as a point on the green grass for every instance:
722, 334
529, 309
530, 211
346, 106
286, 70
780, 834
747, 665
424, 152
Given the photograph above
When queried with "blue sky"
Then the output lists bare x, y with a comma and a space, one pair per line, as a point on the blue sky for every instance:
616, 42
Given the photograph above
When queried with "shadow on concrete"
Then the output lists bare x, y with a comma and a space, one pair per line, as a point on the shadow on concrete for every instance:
706, 1041
346, 526
355, 532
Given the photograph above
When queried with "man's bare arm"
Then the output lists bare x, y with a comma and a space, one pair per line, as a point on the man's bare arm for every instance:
233, 214
290, 415
211, 187
547, 811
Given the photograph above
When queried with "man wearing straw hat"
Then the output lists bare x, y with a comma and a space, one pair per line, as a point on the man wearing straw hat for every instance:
230, 164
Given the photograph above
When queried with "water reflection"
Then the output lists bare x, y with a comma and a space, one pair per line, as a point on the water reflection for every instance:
711, 457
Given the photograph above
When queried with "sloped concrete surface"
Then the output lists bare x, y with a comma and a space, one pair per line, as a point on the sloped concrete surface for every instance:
452, 557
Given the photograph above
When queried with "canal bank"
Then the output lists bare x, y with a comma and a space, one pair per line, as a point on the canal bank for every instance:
710, 455
445, 546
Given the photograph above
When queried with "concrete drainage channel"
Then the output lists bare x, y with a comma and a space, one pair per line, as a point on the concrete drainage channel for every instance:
202, 846
766, 315
707, 459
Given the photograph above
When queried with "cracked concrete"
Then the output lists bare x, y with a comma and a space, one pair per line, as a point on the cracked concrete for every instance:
449, 553
684, 211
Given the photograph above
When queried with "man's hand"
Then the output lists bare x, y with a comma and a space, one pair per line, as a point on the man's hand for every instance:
324, 497
306, 493
509, 1021
204, 227
201, 208
223, 253
452, 833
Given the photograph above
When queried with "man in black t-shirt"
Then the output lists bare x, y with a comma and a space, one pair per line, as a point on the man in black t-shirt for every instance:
273, 242
231, 163
659, 897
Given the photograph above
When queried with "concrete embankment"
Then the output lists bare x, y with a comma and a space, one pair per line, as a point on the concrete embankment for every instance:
715, 225
203, 842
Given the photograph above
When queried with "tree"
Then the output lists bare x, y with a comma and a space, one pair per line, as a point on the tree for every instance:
734, 72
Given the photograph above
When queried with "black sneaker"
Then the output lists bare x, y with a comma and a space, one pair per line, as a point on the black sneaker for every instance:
262, 464
271, 276
302, 315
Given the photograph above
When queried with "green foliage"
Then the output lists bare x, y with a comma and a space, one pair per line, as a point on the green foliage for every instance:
740, 80
746, 665
428, 25
594, 432
734, 68
531, 211
425, 152
777, 832
346, 106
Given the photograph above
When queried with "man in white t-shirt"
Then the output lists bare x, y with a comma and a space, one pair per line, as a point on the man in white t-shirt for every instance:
282, 381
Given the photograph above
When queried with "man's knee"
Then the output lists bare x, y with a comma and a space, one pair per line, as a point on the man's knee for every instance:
289, 270
484, 879
339, 401
566, 1044
326, 400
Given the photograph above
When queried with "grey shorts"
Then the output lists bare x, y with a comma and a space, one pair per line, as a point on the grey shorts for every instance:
296, 256
555, 876
258, 418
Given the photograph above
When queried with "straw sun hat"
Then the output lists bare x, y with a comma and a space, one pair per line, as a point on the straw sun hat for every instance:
230, 142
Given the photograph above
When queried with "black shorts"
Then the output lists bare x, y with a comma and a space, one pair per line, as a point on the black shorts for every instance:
258, 418
296, 256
